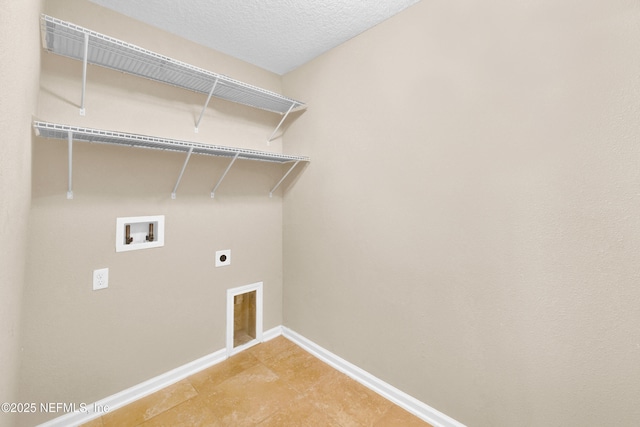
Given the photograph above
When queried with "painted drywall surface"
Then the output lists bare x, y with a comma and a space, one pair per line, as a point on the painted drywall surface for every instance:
19, 66
469, 228
164, 307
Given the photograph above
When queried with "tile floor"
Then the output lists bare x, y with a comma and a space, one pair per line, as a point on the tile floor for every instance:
271, 384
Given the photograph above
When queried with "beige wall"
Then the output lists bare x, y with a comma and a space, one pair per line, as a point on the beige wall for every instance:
468, 230
166, 306
20, 68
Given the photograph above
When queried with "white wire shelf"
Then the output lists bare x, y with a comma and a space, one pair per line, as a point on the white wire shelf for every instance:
74, 41
75, 133
58, 131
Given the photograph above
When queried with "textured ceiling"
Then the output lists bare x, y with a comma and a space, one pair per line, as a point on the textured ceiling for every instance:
277, 35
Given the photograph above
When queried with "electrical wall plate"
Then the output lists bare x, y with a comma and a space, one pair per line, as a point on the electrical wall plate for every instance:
100, 279
223, 258
139, 232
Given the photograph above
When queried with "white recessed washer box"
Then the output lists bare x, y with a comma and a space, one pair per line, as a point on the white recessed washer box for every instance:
139, 232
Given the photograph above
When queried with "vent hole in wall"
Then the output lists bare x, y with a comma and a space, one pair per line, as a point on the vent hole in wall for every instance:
244, 318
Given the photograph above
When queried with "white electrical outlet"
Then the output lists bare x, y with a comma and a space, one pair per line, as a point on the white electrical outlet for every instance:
223, 258
100, 279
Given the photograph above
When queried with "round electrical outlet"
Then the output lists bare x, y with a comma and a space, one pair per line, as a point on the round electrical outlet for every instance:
223, 258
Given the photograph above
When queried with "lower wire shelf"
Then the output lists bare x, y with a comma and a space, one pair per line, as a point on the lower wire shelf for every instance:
75, 133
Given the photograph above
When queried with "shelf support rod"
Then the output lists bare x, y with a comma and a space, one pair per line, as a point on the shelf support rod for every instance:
282, 179
70, 149
215, 83
280, 124
173, 193
213, 192
84, 72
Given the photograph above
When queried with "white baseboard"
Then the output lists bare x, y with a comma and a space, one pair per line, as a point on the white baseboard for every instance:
118, 400
400, 398
271, 333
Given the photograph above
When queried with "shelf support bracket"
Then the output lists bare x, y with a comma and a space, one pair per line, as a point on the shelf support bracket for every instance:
173, 193
70, 149
280, 124
215, 83
84, 72
282, 179
213, 192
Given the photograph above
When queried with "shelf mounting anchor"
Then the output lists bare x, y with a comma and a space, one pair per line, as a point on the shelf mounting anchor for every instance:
70, 149
215, 83
280, 124
213, 192
84, 73
173, 193
282, 179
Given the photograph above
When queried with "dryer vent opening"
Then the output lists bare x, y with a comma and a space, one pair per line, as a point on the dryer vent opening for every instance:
244, 318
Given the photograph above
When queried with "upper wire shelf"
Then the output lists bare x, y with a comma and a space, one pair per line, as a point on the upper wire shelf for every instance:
73, 41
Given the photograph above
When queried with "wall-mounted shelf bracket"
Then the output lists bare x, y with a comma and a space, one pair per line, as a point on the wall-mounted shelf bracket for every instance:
173, 193
282, 179
280, 124
215, 83
70, 148
213, 192
84, 72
